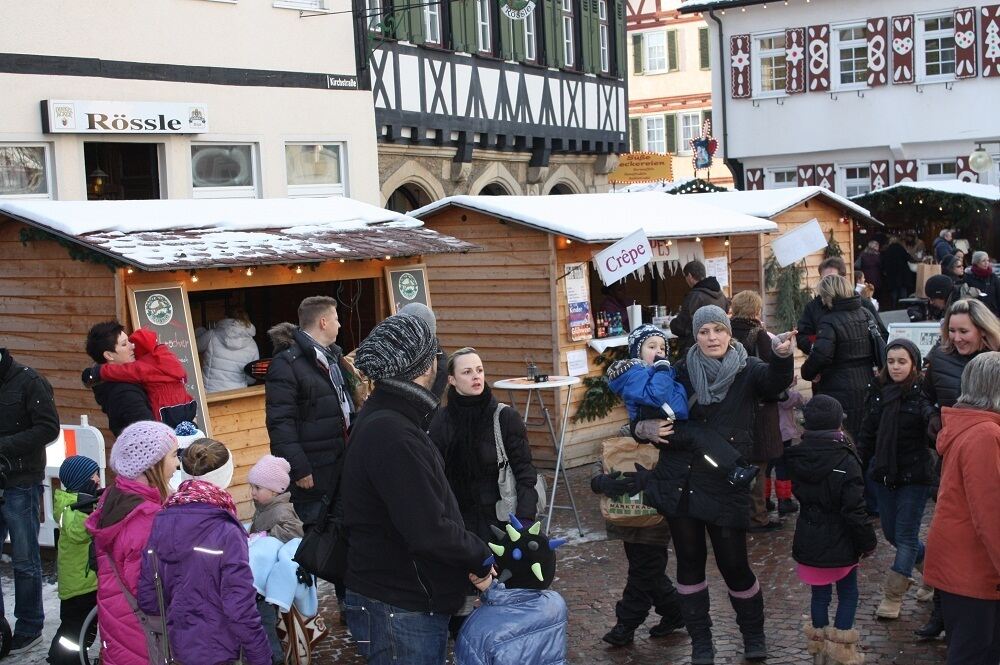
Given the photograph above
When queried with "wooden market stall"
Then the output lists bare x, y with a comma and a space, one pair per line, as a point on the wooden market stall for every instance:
174, 265
512, 301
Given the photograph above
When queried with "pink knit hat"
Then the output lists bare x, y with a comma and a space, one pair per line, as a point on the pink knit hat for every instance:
271, 473
141, 446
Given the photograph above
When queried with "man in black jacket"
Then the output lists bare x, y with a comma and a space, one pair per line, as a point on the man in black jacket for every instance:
28, 423
814, 310
123, 403
704, 291
307, 403
410, 558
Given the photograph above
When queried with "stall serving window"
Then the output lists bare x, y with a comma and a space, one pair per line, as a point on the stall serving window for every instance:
660, 294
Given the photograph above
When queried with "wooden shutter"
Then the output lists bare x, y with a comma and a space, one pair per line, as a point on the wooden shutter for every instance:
616, 32
595, 38
637, 53
754, 179
635, 133
518, 32
673, 59
506, 38
989, 34
411, 24
877, 34
670, 132
819, 58
739, 49
965, 43
459, 36
905, 171
795, 59
963, 171
589, 37
806, 175
825, 176
879, 174
553, 32
902, 49
704, 54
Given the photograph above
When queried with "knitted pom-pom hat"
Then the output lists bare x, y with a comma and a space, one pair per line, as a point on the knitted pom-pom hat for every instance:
141, 446
401, 347
271, 473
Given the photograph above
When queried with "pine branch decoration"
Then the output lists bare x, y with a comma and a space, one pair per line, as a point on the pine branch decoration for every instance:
598, 399
832, 247
791, 296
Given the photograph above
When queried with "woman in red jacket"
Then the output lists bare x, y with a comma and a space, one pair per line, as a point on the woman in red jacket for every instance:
963, 546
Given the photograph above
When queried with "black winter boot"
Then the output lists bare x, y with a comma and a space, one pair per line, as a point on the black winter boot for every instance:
671, 617
620, 635
750, 618
935, 625
695, 608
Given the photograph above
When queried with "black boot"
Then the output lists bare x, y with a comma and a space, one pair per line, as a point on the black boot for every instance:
620, 635
750, 618
695, 608
935, 625
671, 617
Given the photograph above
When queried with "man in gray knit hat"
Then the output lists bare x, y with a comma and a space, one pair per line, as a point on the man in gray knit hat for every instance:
408, 549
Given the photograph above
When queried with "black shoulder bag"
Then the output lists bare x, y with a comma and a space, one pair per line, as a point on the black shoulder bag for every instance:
323, 550
878, 343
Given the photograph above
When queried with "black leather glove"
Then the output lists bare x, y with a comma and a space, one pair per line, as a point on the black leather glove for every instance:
610, 485
934, 426
91, 376
619, 367
639, 477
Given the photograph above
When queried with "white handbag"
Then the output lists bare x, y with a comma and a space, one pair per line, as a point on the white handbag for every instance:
507, 505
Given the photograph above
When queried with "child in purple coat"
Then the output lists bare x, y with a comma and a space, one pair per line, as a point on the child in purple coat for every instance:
199, 549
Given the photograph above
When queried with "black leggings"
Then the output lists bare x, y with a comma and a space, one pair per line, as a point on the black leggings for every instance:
729, 546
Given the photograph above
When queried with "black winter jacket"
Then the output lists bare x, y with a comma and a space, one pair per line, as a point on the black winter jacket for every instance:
302, 408
683, 483
705, 292
123, 403
767, 426
833, 529
914, 463
989, 288
407, 543
943, 377
515, 442
844, 358
28, 421
814, 311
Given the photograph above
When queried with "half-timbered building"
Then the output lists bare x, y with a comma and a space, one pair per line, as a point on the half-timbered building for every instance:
495, 96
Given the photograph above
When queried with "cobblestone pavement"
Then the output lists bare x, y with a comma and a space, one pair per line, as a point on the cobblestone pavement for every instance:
591, 574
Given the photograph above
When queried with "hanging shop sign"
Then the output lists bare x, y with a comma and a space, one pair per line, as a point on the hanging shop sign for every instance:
623, 258
84, 116
517, 10
703, 148
639, 167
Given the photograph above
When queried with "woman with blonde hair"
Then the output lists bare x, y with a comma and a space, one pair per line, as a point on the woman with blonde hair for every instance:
842, 359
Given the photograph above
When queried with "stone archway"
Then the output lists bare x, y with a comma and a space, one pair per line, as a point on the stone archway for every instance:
494, 189
565, 180
496, 174
413, 173
560, 188
407, 198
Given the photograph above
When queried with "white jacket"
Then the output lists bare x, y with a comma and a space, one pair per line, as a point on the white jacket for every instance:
225, 351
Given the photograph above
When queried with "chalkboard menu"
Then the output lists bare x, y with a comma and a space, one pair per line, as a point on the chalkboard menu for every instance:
164, 310
406, 284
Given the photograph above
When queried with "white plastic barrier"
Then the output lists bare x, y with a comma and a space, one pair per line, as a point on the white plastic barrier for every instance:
79, 439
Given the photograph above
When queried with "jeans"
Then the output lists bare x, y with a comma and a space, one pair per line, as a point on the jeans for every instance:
19, 518
388, 634
900, 511
269, 617
847, 603
973, 627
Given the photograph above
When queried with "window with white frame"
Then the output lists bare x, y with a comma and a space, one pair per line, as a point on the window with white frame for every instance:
569, 51
851, 56
942, 170
857, 180
690, 130
782, 178
656, 137
936, 48
655, 44
530, 38
432, 23
25, 171
483, 32
771, 66
223, 170
301, 4
315, 169
373, 12
602, 17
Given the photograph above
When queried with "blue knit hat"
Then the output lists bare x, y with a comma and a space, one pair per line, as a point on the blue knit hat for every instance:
76, 471
637, 337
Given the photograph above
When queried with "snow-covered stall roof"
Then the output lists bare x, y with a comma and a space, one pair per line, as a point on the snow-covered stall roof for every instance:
768, 203
974, 189
690, 6
181, 234
595, 218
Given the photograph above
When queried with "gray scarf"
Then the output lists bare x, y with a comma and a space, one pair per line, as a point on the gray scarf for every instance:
711, 377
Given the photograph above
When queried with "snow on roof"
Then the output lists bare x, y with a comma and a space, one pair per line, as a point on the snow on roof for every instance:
690, 6
181, 234
768, 203
610, 217
988, 192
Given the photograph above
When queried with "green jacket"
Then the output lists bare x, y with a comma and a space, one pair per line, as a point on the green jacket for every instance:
73, 557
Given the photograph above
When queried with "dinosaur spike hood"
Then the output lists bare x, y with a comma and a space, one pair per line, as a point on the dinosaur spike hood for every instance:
525, 557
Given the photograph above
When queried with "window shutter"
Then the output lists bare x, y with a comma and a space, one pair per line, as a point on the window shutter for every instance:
635, 133
739, 72
795, 59
670, 130
902, 49
819, 58
637, 48
471, 27
506, 38
877, 34
703, 49
965, 43
413, 25
518, 31
617, 33
673, 61
587, 36
706, 114
989, 24
459, 34
553, 34
595, 39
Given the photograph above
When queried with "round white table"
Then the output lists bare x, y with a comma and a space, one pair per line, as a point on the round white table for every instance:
532, 388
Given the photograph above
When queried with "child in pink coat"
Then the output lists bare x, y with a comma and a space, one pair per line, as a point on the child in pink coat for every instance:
144, 457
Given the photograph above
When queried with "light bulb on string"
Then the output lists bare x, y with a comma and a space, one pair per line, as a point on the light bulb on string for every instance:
194, 276
697, 238
298, 270
129, 270
342, 260
249, 272
727, 241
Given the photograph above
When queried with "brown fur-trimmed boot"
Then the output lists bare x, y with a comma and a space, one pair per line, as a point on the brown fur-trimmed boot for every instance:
842, 647
815, 644
925, 593
892, 595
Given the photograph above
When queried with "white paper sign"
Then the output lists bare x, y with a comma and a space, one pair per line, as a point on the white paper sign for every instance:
924, 334
680, 251
798, 243
576, 362
719, 269
623, 258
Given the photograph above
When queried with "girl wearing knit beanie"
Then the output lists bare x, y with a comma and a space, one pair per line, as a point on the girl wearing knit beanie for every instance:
144, 456
198, 549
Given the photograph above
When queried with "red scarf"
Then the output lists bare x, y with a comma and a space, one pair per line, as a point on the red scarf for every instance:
982, 273
198, 491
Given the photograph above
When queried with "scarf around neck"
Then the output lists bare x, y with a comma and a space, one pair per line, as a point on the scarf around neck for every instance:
470, 417
198, 491
711, 377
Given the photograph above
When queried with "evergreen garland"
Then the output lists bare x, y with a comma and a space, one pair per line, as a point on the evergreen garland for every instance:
925, 209
598, 399
792, 297
832, 247
77, 252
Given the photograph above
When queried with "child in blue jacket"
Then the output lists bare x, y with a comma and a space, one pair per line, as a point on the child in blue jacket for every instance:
647, 385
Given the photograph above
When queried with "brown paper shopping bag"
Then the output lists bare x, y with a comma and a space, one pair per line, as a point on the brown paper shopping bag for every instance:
621, 454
